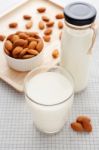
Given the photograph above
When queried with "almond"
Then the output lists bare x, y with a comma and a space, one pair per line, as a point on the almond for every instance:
21, 42
40, 46
7, 52
55, 54
60, 24
45, 18
23, 52
41, 25
23, 36
27, 17
60, 16
15, 38
2, 37
10, 37
8, 45
13, 25
46, 38
48, 31
27, 56
16, 51
41, 9
29, 25
50, 24
32, 52
83, 118
32, 34
76, 126
87, 126
32, 45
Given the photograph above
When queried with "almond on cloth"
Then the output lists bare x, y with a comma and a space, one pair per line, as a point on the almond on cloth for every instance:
13, 25
55, 54
60, 24
48, 31
41, 25
41, 9
82, 118
50, 24
2, 37
45, 18
76, 126
27, 17
29, 25
60, 16
46, 38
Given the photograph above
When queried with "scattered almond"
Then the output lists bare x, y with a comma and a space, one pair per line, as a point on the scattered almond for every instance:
41, 25
45, 18
46, 38
8, 45
29, 25
76, 126
2, 37
87, 126
60, 16
55, 54
13, 25
83, 118
48, 31
27, 17
50, 24
60, 24
41, 9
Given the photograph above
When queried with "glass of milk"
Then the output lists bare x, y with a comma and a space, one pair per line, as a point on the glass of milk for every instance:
49, 95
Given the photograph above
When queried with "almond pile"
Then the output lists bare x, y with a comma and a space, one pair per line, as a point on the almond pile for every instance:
23, 45
82, 124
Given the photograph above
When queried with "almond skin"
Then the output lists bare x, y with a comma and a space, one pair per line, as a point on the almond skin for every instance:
55, 54
13, 25
60, 16
8, 45
2, 37
32, 52
41, 25
83, 118
45, 18
46, 38
27, 56
20, 42
41, 9
32, 45
87, 126
50, 24
40, 46
27, 17
60, 24
29, 25
48, 31
16, 51
77, 127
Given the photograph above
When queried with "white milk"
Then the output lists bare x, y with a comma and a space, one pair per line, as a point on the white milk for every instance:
74, 57
52, 94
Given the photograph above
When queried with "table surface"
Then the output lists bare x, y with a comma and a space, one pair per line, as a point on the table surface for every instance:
17, 131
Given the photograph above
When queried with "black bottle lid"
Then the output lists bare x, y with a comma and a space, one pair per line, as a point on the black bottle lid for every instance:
80, 13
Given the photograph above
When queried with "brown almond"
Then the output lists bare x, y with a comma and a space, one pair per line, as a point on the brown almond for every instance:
16, 51
87, 126
50, 24
32, 45
23, 52
10, 37
55, 54
13, 25
45, 18
60, 24
7, 52
2, 37
41, 25
29, 25
32, 52
76, 126
8, 45
27, 17
48, 31
27, 56
21, 42
60, 16
40, 46
23, 36
41, 9
83, 118
15, 38
46, 38
32, 34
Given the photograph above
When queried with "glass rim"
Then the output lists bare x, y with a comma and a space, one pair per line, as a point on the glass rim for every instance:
50, 67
